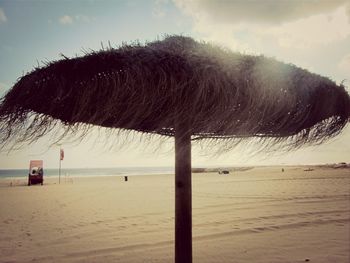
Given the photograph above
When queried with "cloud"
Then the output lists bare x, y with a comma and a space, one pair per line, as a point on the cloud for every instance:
83, 18
249, 25
344, 63
317, 30
268, 11
66, 20
3, 17
159, 10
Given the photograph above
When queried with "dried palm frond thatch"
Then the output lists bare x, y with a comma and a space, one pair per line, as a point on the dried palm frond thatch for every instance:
147, 88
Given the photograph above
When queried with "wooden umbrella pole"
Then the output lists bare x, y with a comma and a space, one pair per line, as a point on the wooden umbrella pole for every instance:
183, 194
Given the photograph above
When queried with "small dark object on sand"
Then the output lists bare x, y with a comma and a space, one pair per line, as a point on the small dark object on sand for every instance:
125, 178
307, 259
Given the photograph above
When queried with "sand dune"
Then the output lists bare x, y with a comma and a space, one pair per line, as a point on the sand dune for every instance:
256, 215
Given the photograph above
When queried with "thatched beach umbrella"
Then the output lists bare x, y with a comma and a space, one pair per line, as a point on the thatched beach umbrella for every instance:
177, 87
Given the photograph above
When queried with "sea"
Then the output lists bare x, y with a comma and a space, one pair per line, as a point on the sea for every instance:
83, 172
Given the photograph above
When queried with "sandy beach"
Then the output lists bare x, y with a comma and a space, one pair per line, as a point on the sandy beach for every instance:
257, 215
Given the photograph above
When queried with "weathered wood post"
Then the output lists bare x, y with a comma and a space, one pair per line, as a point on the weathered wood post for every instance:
183, 194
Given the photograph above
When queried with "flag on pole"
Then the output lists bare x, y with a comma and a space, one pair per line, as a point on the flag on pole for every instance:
61, 154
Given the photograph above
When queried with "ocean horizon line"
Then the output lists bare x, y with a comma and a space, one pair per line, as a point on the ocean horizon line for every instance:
194, 166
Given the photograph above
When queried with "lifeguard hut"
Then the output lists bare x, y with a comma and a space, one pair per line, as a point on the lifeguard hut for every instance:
36, 172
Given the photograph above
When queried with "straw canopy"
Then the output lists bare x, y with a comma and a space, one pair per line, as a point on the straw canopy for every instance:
149, 87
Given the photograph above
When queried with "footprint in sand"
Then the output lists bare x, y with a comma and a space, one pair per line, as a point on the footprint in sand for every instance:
8, 221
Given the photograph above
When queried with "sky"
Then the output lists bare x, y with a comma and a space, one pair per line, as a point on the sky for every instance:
314, 35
